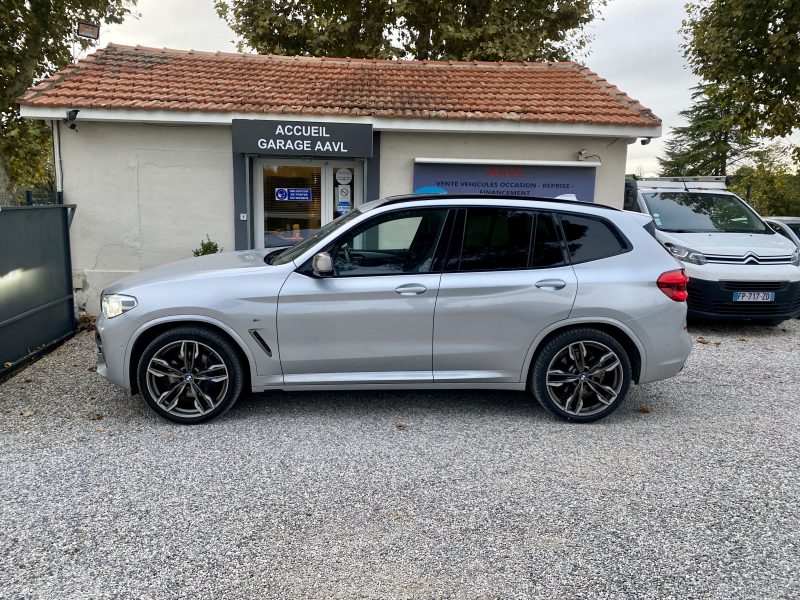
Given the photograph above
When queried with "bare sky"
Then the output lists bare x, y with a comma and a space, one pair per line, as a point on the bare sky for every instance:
636, 47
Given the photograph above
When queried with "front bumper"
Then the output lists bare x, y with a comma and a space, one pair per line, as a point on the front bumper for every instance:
714, 300
112, 337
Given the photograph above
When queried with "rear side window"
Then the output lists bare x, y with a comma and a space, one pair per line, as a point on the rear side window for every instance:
547, 250
496, 239
590, 239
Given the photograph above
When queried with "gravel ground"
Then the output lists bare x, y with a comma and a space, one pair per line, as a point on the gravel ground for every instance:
689, 490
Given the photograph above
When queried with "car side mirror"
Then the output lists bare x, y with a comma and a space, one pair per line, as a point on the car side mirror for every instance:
322, 264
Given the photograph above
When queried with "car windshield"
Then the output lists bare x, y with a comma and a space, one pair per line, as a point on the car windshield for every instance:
795, 227
288, 255
686, 212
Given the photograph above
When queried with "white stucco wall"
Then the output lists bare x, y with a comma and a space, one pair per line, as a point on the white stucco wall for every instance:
398, 151
146, 195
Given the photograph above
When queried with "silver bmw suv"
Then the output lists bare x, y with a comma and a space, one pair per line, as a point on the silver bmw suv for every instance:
571, 301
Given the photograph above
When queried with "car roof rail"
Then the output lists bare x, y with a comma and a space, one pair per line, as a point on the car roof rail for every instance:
499, 197
688, 182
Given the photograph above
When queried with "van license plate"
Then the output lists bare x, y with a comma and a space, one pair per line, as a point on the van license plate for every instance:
754, 296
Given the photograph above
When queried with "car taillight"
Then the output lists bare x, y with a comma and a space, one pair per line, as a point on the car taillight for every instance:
673, 284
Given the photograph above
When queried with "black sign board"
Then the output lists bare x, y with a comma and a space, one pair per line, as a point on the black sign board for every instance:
302, 138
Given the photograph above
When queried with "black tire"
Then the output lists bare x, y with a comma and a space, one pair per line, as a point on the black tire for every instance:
617, 379
217, 395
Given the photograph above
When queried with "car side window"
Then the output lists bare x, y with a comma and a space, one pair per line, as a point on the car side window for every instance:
778, 229
591, 239
547, 250
391, 244
496, 239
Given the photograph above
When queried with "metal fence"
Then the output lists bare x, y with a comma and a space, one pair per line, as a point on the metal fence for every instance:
30, 198
36, 301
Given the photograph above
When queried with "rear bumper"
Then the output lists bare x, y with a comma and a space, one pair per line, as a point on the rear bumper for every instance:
665, 341
714, 300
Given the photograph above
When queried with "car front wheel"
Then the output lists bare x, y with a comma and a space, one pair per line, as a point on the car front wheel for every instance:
190, 375
581, 375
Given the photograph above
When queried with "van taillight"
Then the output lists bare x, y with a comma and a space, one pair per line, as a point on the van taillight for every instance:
673, 284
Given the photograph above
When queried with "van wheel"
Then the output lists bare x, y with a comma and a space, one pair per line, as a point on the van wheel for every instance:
581, 375
190, 375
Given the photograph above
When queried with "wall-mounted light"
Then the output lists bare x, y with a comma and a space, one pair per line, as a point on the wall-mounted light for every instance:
88, 30
583, 156
72, 115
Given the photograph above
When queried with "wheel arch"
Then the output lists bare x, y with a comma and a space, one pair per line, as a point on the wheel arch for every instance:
151, 330
615, 329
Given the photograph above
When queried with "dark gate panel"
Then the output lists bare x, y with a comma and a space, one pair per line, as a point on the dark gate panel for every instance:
36, 301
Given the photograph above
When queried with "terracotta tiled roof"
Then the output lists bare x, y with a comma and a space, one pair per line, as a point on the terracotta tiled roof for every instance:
128, 77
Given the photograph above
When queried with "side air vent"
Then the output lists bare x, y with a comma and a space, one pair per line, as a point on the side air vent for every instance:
257, 337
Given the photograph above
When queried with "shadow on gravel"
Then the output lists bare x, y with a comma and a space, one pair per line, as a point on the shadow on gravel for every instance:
409, 403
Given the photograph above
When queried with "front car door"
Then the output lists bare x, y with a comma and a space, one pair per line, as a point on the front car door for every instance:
506, 279
372, 321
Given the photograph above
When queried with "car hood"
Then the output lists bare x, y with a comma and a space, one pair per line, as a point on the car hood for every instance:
731, 244
211, 265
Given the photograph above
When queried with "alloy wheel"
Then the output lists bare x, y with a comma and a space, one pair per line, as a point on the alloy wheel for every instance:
187, 378
584, 378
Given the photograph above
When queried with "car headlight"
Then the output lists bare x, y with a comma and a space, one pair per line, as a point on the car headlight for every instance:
116, 304
686, 254
796, 257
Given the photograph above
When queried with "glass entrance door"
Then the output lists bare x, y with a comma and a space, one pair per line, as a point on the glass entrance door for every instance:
292, 199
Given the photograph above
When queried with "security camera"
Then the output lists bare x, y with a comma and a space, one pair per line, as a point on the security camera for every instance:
72, 115
645, 141
582, 154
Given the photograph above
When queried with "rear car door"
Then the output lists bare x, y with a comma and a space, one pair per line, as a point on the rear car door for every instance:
506, 278
372, 321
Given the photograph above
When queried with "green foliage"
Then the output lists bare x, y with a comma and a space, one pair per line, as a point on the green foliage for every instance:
495, 29
355, 28
774, 184
709, 144
750, 51
420, 29
207, 246
36, 39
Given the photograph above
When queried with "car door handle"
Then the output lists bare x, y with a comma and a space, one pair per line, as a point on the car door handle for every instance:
411, 289
551, 284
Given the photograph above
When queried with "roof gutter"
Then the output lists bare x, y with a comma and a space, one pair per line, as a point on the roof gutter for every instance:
406, 125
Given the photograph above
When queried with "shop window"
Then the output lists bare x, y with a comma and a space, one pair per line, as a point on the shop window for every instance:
392, 244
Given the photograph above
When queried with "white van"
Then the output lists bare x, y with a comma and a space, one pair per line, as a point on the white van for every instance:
738, 267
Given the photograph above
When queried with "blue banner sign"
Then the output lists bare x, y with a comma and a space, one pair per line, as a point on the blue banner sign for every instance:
293, 194
507, 180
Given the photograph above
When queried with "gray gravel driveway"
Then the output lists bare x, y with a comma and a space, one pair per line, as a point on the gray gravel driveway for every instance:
689, 490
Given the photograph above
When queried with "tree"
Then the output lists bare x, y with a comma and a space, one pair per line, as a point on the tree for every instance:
495, 29
774, 187
420, 29
36, 39
711, 142
750, 51
355, 28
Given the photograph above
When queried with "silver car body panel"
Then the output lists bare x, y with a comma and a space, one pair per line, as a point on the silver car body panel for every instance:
485, 321
363, 329
463, 330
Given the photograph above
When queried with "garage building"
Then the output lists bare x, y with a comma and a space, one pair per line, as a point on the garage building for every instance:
159, 148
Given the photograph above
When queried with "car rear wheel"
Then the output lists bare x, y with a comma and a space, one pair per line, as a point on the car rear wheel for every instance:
190, 375
581, 375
